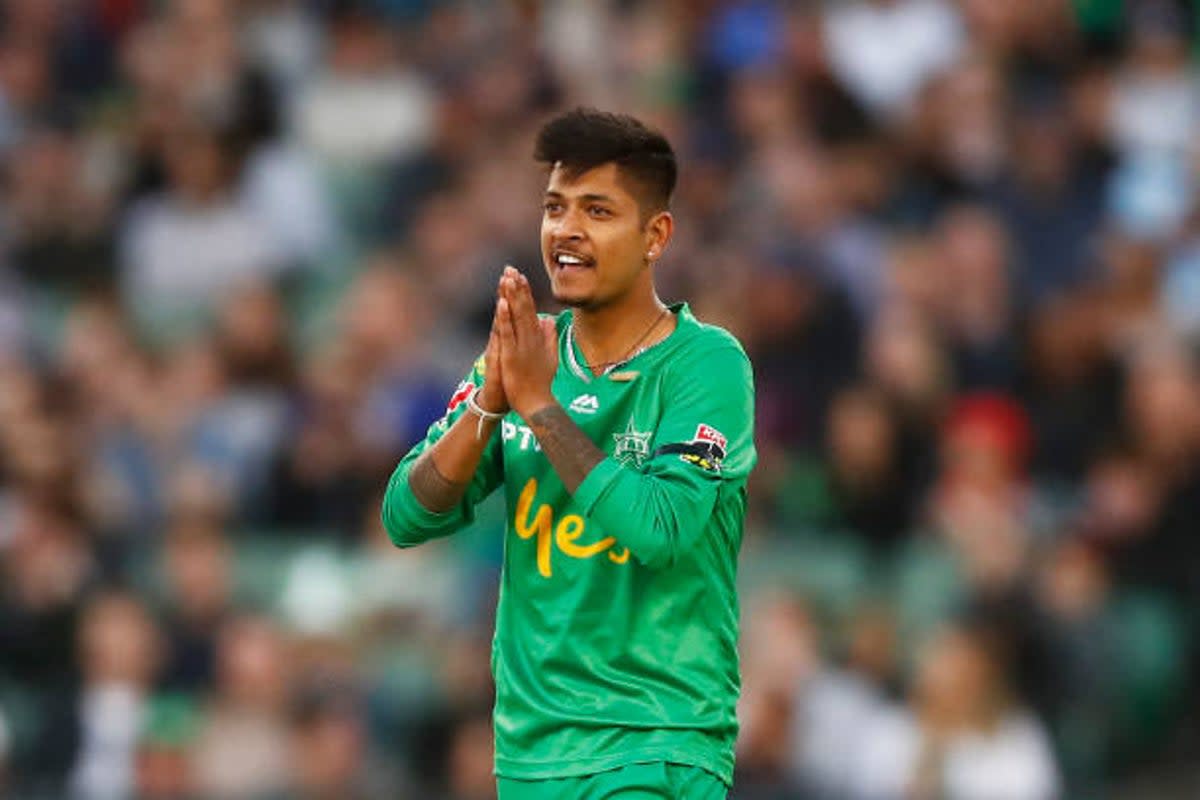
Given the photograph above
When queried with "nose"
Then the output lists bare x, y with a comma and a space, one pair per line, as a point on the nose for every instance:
568, 227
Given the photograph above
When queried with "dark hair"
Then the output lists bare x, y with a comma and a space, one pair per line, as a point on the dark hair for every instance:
584, 138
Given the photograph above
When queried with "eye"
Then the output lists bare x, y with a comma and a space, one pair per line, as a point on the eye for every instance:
552, 207
599, 211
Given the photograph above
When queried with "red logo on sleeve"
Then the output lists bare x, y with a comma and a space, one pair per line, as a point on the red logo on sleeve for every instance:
460, 395
707, 433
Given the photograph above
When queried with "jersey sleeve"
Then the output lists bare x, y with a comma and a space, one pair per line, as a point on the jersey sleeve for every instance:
704, 445
409, 523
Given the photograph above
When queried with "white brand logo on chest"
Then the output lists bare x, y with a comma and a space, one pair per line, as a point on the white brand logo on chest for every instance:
585, 404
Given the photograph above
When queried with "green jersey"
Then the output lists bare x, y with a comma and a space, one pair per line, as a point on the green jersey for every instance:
617, 623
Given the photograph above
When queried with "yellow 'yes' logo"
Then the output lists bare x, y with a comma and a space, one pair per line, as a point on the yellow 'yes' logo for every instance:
566, 536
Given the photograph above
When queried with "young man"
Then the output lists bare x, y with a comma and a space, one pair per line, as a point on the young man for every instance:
622, 432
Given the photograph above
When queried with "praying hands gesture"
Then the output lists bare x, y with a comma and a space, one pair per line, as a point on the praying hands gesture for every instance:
523, 346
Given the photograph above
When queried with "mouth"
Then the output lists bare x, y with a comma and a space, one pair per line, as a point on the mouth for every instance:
566, 260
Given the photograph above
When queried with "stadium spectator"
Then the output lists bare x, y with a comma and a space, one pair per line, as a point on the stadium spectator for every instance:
960, 736
120, 655
242, 749
182, 248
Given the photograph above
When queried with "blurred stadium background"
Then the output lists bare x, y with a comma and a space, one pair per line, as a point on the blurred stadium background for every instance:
248, 247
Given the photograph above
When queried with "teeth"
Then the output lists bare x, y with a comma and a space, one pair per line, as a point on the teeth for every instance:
563, 258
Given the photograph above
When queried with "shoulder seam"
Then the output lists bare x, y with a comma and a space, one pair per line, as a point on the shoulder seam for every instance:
708, 348
714, 334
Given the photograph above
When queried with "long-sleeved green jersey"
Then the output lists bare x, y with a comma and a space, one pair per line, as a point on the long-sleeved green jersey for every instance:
616, 630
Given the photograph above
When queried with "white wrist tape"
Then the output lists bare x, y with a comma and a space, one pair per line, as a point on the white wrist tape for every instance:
474, 407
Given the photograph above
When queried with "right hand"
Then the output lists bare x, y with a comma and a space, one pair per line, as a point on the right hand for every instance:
491, 396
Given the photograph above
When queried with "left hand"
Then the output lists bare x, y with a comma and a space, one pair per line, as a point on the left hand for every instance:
491, 395
528, 347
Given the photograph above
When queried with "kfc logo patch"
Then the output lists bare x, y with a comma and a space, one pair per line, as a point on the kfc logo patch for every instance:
706, 450
709, 434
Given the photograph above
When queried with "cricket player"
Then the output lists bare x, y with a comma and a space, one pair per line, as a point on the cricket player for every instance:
622, 434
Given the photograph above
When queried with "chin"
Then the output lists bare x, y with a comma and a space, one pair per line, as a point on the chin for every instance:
571, 299
571, 293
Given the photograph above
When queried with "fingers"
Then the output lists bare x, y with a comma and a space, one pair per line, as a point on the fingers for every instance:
492, 395
521, 297
509, 281
504, 291
503, 320
505, 284
515, 288
549, 336
504, 326
492, 354
493, 345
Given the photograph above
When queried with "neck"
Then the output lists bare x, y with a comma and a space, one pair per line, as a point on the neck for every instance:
611, 333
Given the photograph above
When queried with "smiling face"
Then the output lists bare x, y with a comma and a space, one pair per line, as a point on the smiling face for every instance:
597, 240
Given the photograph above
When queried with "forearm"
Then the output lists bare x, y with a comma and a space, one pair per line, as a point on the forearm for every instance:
648, 510
656, 516
567, 447
441, 475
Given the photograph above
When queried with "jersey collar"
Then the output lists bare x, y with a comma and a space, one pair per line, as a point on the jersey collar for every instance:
682, 314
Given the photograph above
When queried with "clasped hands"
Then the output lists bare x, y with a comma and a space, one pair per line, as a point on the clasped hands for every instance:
522, 351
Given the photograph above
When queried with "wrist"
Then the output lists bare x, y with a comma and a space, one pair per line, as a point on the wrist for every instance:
491, 402
486, 418
535, 404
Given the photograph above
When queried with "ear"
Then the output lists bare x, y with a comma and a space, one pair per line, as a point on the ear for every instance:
659, 229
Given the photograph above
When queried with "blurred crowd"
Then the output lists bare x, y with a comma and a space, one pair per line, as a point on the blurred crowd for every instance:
247, 248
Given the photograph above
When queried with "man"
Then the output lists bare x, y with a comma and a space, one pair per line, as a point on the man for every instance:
622, 432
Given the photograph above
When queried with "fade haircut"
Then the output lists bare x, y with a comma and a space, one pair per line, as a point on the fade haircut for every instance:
584, 138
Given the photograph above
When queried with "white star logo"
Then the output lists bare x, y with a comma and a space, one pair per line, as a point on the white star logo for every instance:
632, 445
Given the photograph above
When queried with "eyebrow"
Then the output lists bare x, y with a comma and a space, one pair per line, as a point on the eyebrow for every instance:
587, 198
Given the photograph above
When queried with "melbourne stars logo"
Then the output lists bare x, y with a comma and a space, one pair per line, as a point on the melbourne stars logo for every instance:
632, 445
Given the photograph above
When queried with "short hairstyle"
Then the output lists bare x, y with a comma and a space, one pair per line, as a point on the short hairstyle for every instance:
584, 138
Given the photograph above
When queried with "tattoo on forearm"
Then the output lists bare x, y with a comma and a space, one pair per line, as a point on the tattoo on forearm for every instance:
570, 451
433, 489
